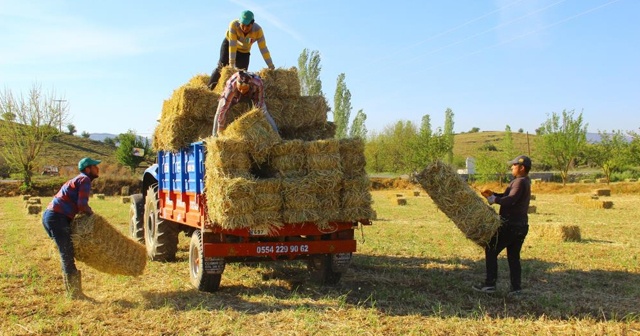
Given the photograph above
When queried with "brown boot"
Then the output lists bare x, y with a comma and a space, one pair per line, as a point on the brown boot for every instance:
73, 285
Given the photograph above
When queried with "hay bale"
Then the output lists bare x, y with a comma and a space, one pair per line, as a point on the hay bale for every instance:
268, 203
468, 211
298, 112
416, 193
280, 83
602, 192
35, 200
592, 202
34, 209
99, 196
230, 202
607, 204
356, 199
326, 130
255, 130
323, 155
587, 181
401, 201
300, 203
533, 197
25, 197
225, 73
631, 180
558, 232
399, 195
126, 199
227, 158
602, 180
532, 209
289, 159
101, 246
124, 191
31, 202
352, 157
199, 80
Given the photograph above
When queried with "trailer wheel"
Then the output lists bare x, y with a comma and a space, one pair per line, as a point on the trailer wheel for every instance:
136, 218
160, 236
323, 270
205, 274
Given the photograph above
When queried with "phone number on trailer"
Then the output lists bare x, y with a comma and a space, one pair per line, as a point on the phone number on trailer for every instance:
282, 249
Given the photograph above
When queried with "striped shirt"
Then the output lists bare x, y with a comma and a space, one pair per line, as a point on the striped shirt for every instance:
73, 197
230, 96
239, 41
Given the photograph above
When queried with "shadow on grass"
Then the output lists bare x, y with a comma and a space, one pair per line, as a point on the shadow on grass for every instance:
426, 286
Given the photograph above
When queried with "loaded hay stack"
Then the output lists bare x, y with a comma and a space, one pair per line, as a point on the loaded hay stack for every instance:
477, 220
257, 178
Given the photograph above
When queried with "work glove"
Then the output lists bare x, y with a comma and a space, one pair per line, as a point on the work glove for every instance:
491, 199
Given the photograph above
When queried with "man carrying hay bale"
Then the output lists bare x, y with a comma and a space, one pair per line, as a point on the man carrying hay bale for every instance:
241, 85
72, 199
514, 206
237, 43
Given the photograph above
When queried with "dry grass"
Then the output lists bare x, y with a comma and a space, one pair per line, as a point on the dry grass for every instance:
412, 275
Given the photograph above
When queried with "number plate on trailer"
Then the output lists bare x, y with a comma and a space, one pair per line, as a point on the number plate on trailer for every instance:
258, 232
280, 249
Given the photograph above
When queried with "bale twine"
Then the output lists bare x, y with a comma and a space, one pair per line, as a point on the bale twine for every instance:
280, 83
356, 200
230, 202
101, 246
268, 203
352, 157
559, 232
477, 220
300, 204
602, 192
255, 130
126, 199
288, 158
34, 209
227, 158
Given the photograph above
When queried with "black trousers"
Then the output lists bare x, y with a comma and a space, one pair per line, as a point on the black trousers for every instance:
242, 62
510, 236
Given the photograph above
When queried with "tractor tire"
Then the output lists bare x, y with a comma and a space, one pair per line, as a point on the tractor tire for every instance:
205, 274
136, 218
160, 236
324, 270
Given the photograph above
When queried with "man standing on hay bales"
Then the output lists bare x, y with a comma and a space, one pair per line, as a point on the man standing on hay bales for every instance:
236, 46
514, 205
73, 198
241, 85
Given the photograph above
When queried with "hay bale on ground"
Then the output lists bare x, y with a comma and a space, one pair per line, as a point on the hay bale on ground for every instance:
34, 209
592, 202
255, 130
25, 197
401, 201
532, 209
99, 196
533, 197
559, 232
399, 195
416, 193
587, 181
602, 192
124, 191
126, 199
280, 83
35, 200
631, 180
477, 220
101, 246
602, 180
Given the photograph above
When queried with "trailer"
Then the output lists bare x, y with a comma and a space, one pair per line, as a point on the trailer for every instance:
174, 201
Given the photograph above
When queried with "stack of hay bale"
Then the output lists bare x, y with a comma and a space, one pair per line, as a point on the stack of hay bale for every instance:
33, 205
257, 178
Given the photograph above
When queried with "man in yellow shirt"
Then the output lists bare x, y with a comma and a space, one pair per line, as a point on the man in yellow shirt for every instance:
236, 46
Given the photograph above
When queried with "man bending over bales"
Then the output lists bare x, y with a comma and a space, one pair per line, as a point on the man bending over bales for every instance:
242, 85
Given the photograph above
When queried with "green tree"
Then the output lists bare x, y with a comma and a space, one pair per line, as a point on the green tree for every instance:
489, 167
341, 107
128, 143
309, 73
358, 128
610, 153
30, 122
110, 141
448, 135
85, 134
634, 148
508, 148
71, 129
560, 140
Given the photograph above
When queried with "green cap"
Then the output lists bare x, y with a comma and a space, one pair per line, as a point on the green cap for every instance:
246, 17
86, 162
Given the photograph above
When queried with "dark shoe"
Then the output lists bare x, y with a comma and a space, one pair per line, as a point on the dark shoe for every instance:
515, 293
484, 288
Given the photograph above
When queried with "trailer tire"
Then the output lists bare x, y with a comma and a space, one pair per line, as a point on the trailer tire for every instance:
160, 236
320, 267
136, 218
203, 281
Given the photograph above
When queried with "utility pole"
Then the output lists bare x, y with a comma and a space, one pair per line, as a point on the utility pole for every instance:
59, 101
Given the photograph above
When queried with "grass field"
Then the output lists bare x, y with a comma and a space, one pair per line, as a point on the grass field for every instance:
412, 275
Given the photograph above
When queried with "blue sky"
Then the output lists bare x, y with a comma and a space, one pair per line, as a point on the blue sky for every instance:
493, 62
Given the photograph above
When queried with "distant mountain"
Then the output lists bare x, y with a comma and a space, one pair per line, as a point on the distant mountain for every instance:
101, 136
595, 138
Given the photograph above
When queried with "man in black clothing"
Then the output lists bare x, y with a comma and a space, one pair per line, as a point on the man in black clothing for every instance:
514, 205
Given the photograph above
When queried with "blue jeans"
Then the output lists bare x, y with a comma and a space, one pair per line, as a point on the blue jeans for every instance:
58, 227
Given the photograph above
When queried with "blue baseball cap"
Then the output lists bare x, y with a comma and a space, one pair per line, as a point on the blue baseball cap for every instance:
86, 162
246, 17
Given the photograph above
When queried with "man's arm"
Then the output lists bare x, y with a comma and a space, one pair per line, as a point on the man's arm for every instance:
233, 43
262, 44
224, 104
84, 190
